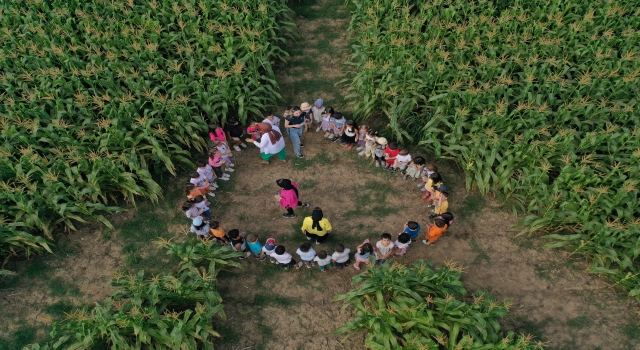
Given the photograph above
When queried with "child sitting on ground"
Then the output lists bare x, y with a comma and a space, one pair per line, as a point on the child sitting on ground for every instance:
414, 169
390, 154
435, 231
216, 133
254, 246
234, 133
440, 202
218, 232
237, 242
203, 206
370, 144
306, 254
201, 183
190, 209
426, 172
200, 227
381, 144
350, 135
282, 257
402, 161
364, 252
254, 131
338, 124
341, 256
191, 191
412, 228
326, 122
362, 139
401, 244
323, 260
433, 182
206, 170
216, 162
384, 249
268, 249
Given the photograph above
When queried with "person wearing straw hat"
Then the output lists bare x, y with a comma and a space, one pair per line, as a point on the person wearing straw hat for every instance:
307, 114
271, 143
294, 124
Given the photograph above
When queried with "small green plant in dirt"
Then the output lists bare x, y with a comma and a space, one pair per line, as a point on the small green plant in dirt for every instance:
165, 311
421, 307
481, 254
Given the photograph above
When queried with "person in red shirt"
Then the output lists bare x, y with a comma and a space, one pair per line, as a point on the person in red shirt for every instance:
390, 154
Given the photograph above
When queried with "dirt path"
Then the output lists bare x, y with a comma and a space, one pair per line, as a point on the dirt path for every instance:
553, 298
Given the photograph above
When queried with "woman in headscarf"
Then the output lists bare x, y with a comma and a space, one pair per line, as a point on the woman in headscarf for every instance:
288, 197
271, 143
316, 226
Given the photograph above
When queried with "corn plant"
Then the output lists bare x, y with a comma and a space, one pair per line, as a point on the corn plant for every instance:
421, 307
535, 100
166, 311
95, 96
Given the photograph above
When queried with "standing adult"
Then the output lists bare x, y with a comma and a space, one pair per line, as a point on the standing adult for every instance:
294, 124
271, 143
289, 197
316, 226
305, 107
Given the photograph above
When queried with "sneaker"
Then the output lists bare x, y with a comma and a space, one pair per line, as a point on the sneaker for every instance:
377, 164
308, 266
301, 144
231, 165
318, 129
229, 170
423, 189
359, 148
317, 243
421, 184
288, 216
299, 265
243, 145
306, 205
224, 178
343, 143
308, 238
361, 153
211, 194
273, 261
425, 242
326, 134
248, 254
335, 139
237, 148
299, 155
404, 177
261, 258
241, 258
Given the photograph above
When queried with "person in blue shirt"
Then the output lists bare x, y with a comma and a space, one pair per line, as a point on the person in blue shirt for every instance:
412, 228
255, 247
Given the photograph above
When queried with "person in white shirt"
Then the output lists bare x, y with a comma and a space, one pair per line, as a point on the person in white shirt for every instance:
271, 119
271, 143
341, 256
282, 257
205, 170
317, 111
323, 259
402, 160
306, 254
384, 248
401, 244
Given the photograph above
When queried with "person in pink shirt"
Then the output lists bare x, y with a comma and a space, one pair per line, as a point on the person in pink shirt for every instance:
216, 133
288, 197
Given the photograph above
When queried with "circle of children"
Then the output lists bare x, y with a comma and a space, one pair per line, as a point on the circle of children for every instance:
316, 227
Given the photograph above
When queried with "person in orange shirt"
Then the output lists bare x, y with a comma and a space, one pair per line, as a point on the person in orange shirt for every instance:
191, 191
218, 232
434, 231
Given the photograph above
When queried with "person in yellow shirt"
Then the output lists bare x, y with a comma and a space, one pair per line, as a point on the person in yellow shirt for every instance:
440, 202
316, 226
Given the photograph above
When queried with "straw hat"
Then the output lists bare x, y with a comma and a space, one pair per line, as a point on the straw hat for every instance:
381, 140
305, 106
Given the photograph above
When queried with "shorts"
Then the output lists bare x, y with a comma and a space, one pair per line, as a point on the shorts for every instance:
290, 263
413, 172
380, 158
401, 167
348, 139
369, 151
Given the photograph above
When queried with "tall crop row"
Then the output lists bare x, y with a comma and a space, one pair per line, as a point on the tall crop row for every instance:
96, 94
535, 100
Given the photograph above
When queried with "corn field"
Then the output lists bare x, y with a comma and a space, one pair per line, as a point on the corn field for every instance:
96, 95
535, 100
423, 307
167, 311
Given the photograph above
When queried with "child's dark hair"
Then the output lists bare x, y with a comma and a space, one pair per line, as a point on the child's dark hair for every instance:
187, 205
213, 127
280, 250
214, 224
232, 120
445, 193
189, 187
412, 225
352, 123
432, 167
233, 233
440, 223
287, 108
386, 235
339, 248
329, 110
447, 217
194, 174
366, 248
198, 199
203, 224
404, 238
201, 163
267, 113
419, 160
322, 254
338, 116
436, 178
393, 145
305, 247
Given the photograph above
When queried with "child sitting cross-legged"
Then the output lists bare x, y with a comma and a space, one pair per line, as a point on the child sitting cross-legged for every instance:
282, 257
401, 244
323, 259
384, 249
268, 249
365, 251
402, 161
218, 232
414, 169
200, 227
341, 256
306, 254
440, 201
254, 246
